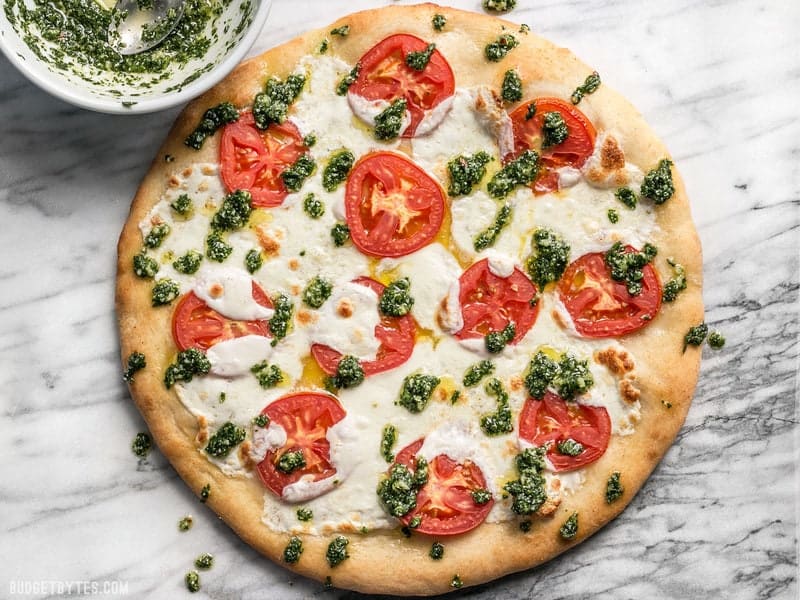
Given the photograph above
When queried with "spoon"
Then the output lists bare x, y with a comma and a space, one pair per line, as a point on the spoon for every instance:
138, 25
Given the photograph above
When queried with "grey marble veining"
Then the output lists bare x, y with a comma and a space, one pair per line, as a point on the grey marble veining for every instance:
718, 80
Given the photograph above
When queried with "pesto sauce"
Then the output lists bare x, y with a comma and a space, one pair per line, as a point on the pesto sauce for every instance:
225, 439
141, 444
268, 375
136, 362
72, 36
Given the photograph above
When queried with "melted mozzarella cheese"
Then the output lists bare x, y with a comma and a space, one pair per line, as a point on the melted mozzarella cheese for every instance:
347, 321
231, 358
499, 264
230, 293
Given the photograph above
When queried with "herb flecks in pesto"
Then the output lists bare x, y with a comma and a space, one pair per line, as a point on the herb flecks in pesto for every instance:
272, 105
438, 21
187, 364
313, 206
390, 120
214, 118
192, 580
570, 527
304, 514
323, 46
156, 235
217, 249
627, 266
657, 184
528, 491
613, 216
349, 373
348, 80
204, 562
465, 172
335, 172
416, 391
498, 49
396, 300
614, 488
317, 292
569, 376
293, 550
549, 258
234, 212
511, 89
569, 447
282, 318
225, 439
136, 362
627, 196
185, 524
456, 582
268, 375
437, 551
164, 292
481, 496
398, 490
189, 263
337, 551
205, 493
695, 336
676, 284
419, 60
496, 341
340, 233
144, 266
475, 373
260, 420
589, 86
554, 129
295, 175
488, 236
520, 171
290, 461
388, 440
498, 422
342, 31
253, 261
141, 444
716, 340
499, 5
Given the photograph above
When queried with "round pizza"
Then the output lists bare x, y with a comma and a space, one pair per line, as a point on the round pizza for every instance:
411, 290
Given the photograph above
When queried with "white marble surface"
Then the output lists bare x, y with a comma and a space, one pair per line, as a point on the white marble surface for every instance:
718, 519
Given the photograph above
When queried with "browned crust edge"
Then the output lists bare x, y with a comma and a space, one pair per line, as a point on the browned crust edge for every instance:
664, 374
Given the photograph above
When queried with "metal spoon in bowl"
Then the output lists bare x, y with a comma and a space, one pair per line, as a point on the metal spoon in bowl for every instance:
138, 25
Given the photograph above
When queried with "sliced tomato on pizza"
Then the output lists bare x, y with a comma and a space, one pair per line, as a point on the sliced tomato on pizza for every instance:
602, 307
393, 207
490, 302
196, 325
253, 159
305, 454
575, 434
395, 334
445, 504
528, 121
384, 77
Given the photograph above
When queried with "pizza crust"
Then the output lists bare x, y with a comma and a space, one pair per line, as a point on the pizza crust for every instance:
664, 375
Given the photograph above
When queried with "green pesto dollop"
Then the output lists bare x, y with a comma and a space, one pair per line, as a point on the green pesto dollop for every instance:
496, 341
476, 372
349, 373
481, 496
396, 300
569, 447
613, 215
437, 551
569, 376
398, 490
282, 317
268, 375
500, 421
253, 260
217, 249
388, 440
313, 206
185, 524
342, 31
205, 493
293, 550
627, 196
554, 129
497, 50
188, 363
465, 172
214, 118
337, 551
657, 184
192, 580
295, 175
716, 340
628, 266
416, 391
225, 439
304, 514
499, 5
272, 105
695, 336
136, 362
614, 488
141, 445
511, 89
317, 292
182, 206
529, 490
204, 562
438, 21
157, 235
488, 236
389, 121
335, 172
234, 212
290, 461
520, 171
348, 80
164, 292
549, 258
589, 86
419, 60
676, 284
570, 527
144, 266
340, 233
189, 263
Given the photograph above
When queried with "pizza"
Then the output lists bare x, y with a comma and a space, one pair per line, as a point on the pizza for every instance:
405, 300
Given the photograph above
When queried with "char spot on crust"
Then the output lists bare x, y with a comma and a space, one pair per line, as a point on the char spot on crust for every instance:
174, 181
270, 245
156, 219
305, 317
549, 507
629, 392
345, 308
617, 361
606, 167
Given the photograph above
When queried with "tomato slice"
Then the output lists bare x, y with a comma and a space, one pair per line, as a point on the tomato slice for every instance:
445, 502
392, 206
196, 325
572, 152
490, 302
253, 159
601, 307
306, 417
552, 420
384, 75
396, 335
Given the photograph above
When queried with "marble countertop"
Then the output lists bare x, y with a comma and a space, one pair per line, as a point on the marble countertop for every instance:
718, 80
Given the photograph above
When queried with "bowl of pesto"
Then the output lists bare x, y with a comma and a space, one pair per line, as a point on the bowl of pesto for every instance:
62, 46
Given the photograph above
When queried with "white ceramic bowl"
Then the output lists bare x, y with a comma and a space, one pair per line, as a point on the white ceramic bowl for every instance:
223, 55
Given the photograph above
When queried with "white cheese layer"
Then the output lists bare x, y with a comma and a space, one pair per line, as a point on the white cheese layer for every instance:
347, 321
230, 293
235, 357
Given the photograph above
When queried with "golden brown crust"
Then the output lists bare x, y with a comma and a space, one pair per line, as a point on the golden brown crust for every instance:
665, 377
